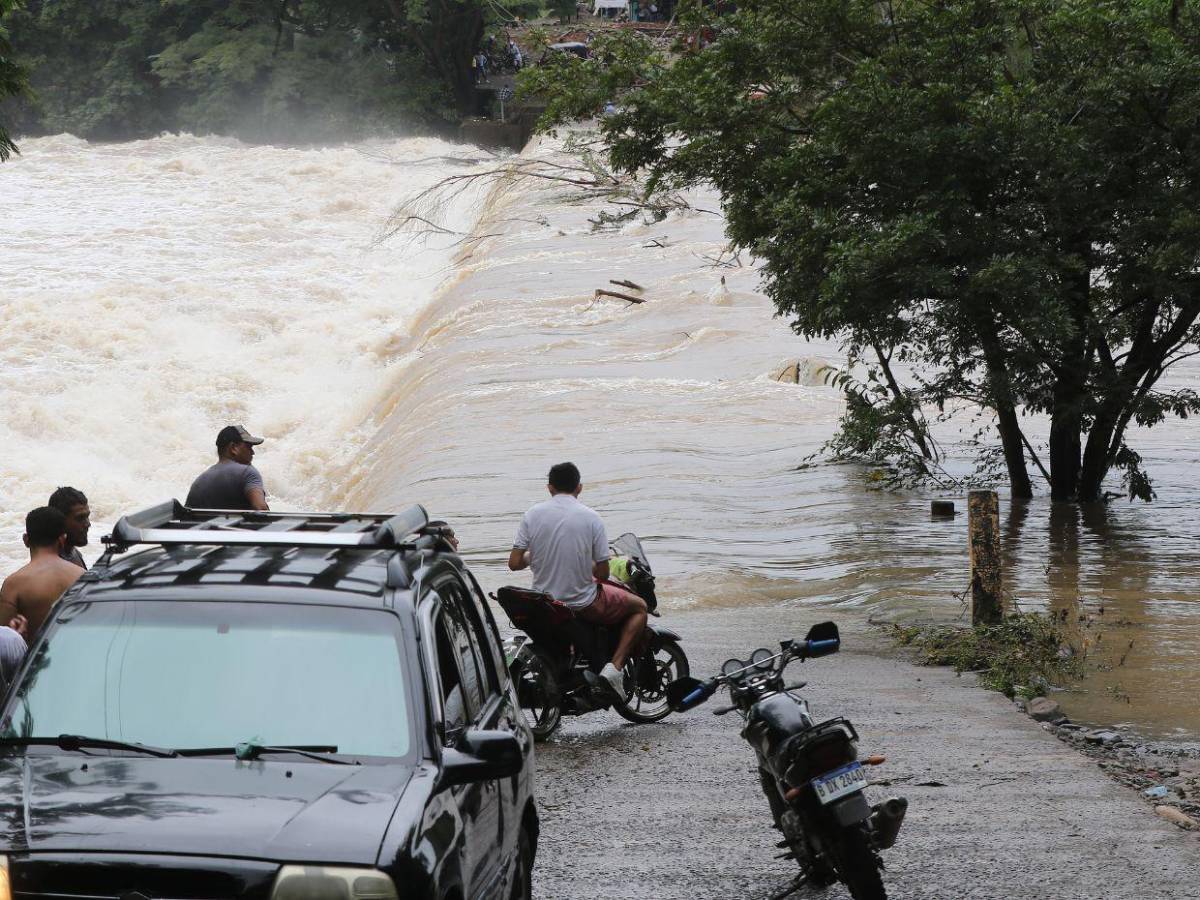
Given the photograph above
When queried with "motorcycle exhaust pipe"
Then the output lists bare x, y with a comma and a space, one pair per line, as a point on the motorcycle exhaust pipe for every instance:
886, 821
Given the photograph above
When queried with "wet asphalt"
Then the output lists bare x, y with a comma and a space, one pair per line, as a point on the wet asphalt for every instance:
999, 808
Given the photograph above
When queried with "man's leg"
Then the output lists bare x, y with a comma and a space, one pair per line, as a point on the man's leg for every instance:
631, 630
614, 606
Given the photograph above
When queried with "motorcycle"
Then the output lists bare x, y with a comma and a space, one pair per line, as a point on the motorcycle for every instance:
809, 771
556, 659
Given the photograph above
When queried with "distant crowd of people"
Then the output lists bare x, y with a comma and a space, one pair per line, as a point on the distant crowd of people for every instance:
54, 534
492, 59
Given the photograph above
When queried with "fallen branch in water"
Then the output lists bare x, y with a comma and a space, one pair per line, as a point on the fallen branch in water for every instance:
601, 292
628, 284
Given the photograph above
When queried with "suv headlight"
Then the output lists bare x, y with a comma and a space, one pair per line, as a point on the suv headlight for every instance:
328, 883
5, 886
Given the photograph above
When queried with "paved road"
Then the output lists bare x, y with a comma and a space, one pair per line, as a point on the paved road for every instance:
673, 810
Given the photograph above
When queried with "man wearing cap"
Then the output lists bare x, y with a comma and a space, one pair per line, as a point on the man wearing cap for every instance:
232, 483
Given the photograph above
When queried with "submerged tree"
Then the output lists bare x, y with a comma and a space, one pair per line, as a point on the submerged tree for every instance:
1002, 196
12, 77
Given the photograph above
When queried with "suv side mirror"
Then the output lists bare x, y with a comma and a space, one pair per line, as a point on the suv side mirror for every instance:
481, 756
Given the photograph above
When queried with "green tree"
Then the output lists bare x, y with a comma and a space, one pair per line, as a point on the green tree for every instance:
263, 69
12, 77
1001, 195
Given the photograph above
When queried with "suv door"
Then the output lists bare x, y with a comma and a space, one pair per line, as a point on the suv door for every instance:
483, 626
470, 700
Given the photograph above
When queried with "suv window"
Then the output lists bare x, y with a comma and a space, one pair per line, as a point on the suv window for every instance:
468, 616
473, 683
454, 707
186, 674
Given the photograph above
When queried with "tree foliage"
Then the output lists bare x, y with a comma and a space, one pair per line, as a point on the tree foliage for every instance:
262, 69
1001, 195
12, 77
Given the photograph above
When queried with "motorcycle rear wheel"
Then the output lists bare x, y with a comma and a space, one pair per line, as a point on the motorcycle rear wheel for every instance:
856, 864
646, 680
538, 691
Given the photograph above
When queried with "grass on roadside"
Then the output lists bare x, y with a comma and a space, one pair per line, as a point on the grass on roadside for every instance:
1021, 656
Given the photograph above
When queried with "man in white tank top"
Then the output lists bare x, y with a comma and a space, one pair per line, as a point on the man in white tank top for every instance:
564, 543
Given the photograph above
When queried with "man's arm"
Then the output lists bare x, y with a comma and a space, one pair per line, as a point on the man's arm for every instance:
519, 558
8, 600
600, 552
255, 491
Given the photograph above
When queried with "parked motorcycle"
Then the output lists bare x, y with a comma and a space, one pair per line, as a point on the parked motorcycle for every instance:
810, 771
556, 661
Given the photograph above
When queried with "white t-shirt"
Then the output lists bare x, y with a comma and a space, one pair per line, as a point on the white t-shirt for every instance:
564, 539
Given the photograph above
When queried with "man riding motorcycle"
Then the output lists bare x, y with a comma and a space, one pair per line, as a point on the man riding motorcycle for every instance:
565, 544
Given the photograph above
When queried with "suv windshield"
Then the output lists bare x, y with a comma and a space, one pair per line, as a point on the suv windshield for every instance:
186, 674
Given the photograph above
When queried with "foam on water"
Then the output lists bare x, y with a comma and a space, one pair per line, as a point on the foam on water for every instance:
156, 290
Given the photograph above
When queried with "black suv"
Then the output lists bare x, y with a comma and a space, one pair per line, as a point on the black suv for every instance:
267, 705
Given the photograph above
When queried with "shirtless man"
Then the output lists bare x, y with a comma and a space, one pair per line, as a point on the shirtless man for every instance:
33, 589
73, 504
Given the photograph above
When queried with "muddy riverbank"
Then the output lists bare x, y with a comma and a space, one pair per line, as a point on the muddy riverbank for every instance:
1000, 808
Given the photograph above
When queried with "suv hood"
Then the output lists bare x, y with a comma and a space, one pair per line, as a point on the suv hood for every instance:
265, 809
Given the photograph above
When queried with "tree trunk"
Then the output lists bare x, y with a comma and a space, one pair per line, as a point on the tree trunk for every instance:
1007, 423
1066, 414
1065, 441
1014, 452
1097, 459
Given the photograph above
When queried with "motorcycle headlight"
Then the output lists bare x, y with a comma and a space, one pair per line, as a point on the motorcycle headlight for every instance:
5, 884
328, 883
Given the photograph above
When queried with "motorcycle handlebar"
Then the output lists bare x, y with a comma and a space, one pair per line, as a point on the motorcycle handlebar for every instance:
822, 648
700, 694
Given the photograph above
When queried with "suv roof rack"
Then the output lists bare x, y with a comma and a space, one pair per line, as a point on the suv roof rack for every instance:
172, 523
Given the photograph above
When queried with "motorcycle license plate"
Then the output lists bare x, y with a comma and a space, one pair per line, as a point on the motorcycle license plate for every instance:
840, 782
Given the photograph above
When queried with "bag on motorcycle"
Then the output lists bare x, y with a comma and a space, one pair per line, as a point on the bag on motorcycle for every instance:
631, 567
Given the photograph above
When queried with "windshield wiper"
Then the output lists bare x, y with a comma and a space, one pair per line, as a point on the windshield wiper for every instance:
80, 742
252, 750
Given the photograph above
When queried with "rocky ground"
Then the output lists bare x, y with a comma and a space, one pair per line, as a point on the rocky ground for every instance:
1166, 775
1000, 807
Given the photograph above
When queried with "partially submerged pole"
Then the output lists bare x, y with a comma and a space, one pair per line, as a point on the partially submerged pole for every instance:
983, 526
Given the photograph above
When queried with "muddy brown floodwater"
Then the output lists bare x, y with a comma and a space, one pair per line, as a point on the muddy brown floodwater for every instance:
156, 290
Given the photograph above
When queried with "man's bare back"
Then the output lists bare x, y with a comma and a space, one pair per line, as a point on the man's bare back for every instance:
32, 589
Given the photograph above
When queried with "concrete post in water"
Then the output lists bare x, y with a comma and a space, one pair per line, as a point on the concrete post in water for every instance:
983, 526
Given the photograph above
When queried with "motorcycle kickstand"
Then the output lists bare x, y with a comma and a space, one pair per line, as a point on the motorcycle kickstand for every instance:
798, 882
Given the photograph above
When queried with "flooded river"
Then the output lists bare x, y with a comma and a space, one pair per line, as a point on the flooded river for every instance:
153, 291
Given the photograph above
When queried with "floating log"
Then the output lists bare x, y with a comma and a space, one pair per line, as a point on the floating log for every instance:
601, 292
628, 284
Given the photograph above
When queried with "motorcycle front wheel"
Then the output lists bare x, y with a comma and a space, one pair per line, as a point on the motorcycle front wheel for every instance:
856, 865
538, 690
646, 680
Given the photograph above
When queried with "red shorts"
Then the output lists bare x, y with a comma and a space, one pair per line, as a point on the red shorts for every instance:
611, 606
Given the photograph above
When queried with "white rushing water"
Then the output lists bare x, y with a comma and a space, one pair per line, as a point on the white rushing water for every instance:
152, 292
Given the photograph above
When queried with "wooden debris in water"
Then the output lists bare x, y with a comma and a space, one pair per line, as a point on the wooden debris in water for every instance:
601, 292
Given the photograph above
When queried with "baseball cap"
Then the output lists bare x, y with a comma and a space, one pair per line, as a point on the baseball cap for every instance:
231, 434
